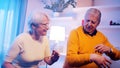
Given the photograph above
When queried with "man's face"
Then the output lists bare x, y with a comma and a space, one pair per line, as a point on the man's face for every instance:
41, 30
90, 23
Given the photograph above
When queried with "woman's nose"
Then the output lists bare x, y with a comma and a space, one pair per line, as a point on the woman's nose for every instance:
47, 27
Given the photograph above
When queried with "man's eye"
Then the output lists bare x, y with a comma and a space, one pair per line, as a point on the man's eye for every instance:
44, 24
93, 22
87, 20
90, 21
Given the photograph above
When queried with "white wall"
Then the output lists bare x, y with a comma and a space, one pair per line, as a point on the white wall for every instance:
106, 2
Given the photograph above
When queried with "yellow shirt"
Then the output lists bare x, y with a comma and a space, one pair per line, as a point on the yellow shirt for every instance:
79, 47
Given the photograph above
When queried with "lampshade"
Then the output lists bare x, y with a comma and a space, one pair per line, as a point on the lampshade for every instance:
57, 33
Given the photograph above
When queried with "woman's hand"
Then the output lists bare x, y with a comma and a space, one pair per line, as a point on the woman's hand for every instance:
7, 65
55, 56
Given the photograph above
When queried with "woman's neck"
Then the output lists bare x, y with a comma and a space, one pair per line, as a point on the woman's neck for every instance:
35, 37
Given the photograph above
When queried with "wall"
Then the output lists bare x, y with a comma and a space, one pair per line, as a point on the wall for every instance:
106, 2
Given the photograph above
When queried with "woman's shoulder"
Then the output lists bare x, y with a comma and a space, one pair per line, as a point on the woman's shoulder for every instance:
23, 35
44, 38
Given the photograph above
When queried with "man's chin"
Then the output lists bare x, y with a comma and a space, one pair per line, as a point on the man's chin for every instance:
89, 32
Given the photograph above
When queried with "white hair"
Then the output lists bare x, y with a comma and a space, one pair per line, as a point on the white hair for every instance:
36, 17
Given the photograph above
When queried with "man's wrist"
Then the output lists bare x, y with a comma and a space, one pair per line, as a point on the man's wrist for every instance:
111, 51
92, 57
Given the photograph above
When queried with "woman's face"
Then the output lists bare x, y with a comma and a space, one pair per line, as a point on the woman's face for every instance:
90, 23
42, 28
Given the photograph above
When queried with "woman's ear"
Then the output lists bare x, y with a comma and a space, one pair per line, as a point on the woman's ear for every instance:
33, 27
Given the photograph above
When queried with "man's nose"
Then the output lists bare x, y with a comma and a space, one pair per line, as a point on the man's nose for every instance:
90, 23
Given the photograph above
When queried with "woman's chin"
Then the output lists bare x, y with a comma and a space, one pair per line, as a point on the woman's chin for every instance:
44, 34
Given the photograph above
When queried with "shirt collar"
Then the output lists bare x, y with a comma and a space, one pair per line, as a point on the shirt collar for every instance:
94, 33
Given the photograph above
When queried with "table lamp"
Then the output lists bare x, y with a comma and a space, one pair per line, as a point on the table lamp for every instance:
57, 34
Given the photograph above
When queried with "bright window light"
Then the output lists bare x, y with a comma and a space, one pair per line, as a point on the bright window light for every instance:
57, 33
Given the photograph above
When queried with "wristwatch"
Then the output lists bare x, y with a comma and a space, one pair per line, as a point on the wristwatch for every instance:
111, 51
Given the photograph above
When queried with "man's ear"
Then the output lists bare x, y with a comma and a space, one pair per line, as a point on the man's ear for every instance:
82, 22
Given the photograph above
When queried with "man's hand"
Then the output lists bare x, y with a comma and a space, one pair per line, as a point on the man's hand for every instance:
101, 61
55, 56
102, 48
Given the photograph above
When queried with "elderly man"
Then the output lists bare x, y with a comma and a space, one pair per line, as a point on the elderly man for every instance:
86, 45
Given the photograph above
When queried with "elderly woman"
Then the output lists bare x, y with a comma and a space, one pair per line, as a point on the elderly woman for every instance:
31, 47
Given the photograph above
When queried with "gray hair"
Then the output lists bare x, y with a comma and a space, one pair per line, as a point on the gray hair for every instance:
95, 12
36, 18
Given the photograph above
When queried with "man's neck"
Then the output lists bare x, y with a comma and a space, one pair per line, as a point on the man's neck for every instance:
91, 34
